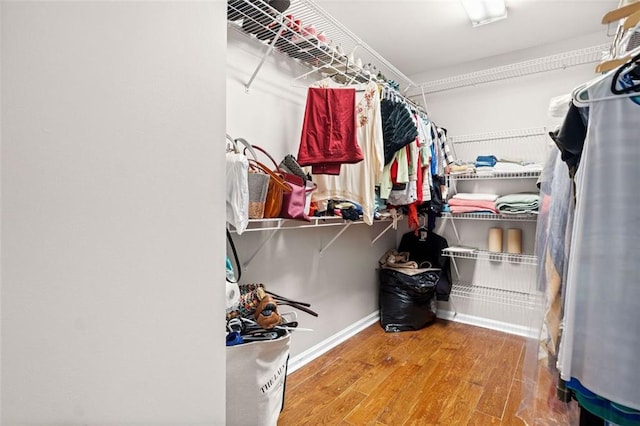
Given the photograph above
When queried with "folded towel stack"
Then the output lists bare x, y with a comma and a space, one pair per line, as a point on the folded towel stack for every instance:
473, 203
523, 203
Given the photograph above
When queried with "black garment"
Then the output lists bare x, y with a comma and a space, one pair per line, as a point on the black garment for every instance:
398, 127
570, 138
430, 250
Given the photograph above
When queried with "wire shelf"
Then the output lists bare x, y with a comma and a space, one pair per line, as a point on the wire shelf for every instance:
517, 135
513, 299
521, 144
281, 224
289, 34
524, 259
496, 175
548, 63
492, 216
272, 224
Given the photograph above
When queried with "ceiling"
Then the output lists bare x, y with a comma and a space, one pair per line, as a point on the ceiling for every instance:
422, 35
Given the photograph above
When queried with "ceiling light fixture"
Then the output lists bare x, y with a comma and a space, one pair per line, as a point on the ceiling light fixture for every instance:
483, 12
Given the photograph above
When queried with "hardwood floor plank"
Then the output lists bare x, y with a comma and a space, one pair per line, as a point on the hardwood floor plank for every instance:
452, 341
461, 406
445, 374
370, 408
347, 349
320, 389
399, 409
297, 406
481, 419
513, 404
333, 412
371, 380
434, 398
496, 390
480, 351
349, 373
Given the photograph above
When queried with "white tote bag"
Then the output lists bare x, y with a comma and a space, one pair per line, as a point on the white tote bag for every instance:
237, 188
256, 375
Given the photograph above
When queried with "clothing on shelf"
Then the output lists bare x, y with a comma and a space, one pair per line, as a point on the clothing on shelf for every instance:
486, 161
471, 206
358, 182
518, 203
329, 137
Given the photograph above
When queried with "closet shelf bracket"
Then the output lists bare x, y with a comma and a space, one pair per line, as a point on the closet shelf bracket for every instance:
266, 54
384, 231
346, 226
455, 266
261, 246
448, 218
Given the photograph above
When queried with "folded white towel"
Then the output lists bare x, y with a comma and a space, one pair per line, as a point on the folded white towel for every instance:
476, 196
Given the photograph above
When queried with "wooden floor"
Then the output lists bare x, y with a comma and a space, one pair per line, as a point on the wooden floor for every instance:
446, 374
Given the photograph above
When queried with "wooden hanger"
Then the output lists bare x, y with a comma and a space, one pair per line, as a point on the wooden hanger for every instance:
611, 64
631, 21
621, 12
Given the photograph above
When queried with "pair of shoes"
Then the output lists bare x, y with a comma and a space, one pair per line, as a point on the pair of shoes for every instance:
236, 9
258, 16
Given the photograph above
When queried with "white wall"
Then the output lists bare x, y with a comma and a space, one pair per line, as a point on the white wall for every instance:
511, 104
516, 103
112, 245
571, 44
341, 284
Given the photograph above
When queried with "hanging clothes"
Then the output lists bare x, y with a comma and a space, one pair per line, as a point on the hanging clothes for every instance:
427, 252
424, 135
599, 345
357, 182
570, 137
329, 136
398, 127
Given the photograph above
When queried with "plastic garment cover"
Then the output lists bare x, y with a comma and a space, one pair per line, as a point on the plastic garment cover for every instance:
237, 191
545, 401
407, 302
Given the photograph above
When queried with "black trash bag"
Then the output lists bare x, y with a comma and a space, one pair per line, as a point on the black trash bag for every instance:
407, 302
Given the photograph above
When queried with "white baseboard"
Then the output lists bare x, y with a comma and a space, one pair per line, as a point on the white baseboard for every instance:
505, 327
331, 342
300, 360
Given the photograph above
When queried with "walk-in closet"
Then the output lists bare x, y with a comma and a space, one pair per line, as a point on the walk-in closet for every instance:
422, 213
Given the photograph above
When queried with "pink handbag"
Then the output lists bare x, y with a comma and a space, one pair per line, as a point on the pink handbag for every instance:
294, 202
